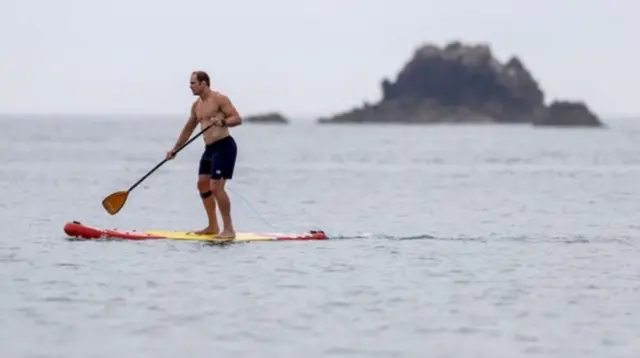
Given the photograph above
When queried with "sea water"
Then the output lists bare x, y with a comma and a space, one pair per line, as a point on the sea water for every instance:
446, 241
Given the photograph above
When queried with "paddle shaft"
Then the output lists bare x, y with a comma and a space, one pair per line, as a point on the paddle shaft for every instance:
166, 159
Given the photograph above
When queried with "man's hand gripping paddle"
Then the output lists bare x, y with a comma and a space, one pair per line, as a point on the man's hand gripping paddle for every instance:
114, 202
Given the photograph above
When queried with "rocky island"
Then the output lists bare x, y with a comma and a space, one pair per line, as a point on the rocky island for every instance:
269, 117
465, 84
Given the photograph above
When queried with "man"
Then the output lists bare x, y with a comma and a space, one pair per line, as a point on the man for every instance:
219, 157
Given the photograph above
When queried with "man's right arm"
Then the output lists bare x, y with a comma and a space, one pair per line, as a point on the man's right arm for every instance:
188, 128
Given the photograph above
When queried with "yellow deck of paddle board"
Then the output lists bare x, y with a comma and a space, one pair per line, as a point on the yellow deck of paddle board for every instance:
183, 235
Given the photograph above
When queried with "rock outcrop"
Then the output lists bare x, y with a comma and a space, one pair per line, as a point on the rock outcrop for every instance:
270, 118
465, 83
565, 113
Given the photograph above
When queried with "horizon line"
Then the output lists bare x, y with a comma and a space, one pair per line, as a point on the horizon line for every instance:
297, 117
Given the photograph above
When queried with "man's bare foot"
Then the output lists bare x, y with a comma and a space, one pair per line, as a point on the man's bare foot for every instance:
226, 234
207, 231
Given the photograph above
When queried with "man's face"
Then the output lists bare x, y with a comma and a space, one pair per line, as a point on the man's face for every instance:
196, 87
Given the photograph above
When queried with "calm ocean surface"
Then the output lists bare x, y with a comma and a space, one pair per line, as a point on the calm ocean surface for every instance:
446, 241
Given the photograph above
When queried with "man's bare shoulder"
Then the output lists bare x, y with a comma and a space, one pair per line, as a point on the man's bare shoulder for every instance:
220, 96
195, 105
192, 112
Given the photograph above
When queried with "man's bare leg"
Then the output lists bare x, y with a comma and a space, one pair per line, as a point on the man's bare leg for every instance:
208, 201
224, 203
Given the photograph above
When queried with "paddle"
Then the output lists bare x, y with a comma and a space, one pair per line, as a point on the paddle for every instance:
114, 202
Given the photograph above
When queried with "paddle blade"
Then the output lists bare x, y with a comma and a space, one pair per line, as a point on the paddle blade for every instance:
114, 202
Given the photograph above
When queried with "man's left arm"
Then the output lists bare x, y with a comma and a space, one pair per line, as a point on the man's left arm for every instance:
233, 118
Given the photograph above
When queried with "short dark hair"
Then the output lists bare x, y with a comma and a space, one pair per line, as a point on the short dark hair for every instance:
202, 76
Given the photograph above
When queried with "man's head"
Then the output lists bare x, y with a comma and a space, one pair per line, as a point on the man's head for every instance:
199, 82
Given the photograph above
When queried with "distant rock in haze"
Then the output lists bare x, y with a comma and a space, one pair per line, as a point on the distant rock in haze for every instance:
269, 117
564, 113
465, 84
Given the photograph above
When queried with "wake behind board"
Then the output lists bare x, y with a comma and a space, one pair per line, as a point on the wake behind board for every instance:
78, 230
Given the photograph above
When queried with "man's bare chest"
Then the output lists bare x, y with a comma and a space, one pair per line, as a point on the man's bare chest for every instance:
206, 110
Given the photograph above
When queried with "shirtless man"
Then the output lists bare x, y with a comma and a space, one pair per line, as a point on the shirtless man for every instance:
219, 157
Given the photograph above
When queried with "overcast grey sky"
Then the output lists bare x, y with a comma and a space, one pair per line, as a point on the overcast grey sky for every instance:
302, 58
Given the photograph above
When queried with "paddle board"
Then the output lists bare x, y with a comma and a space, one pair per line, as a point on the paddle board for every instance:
78, 230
